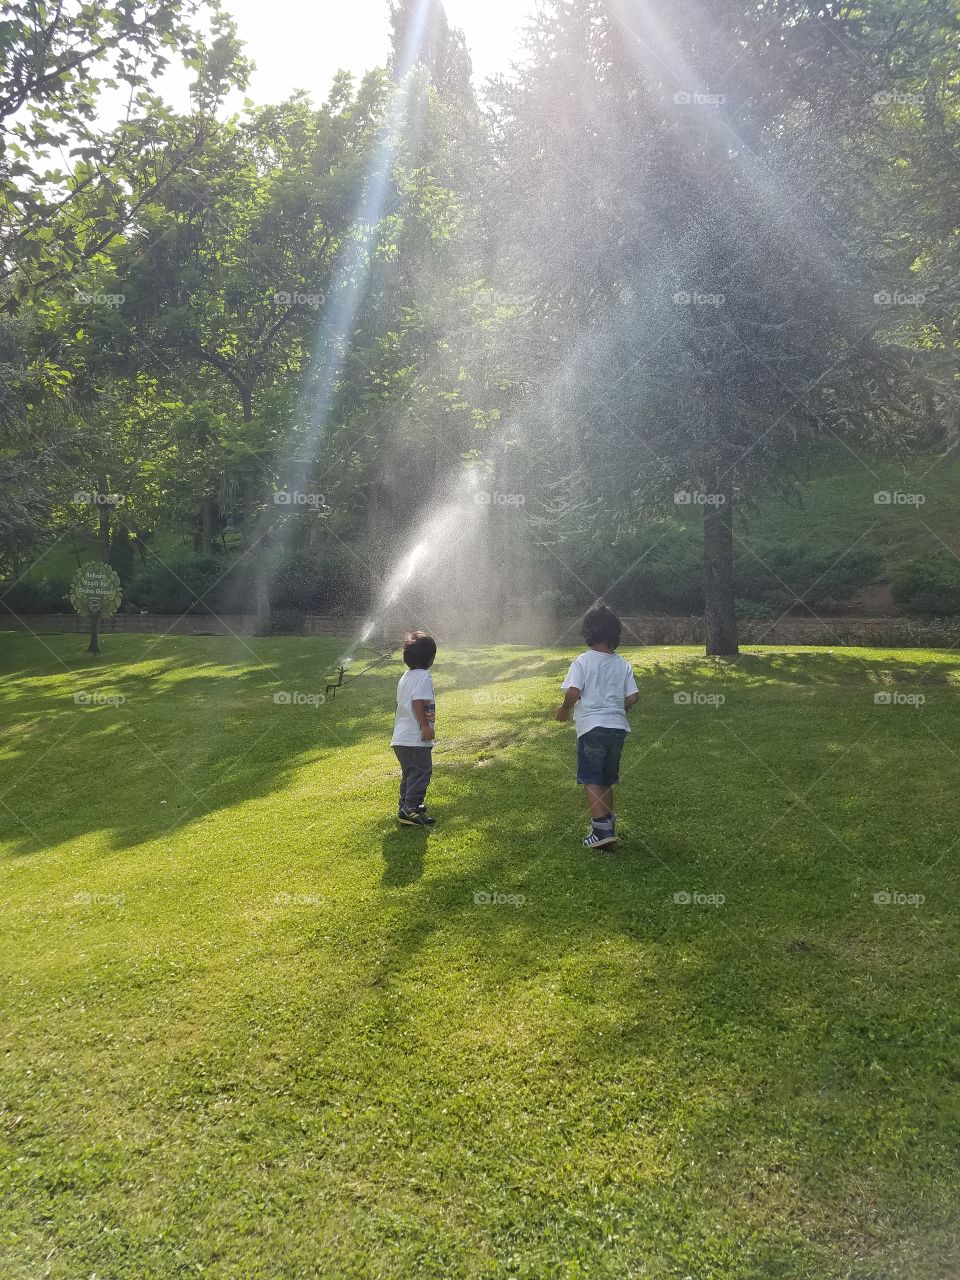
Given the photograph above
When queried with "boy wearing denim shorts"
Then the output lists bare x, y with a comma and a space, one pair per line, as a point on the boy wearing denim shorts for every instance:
599, 689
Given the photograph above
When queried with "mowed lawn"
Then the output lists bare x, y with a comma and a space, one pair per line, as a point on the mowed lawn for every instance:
250, 1029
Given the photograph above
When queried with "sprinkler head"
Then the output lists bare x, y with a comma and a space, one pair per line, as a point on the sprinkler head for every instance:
332, 688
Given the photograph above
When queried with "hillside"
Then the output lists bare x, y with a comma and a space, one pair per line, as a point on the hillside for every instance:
852, 528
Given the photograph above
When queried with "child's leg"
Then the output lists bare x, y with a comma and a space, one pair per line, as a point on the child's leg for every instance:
611, 776
593, 749
400, 753
600, 800
418, 776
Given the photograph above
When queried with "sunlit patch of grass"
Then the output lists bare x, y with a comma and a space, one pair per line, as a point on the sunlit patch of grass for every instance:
250, 1027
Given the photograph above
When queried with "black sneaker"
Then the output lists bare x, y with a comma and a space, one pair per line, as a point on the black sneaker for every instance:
413, 818
596, 841
422, 810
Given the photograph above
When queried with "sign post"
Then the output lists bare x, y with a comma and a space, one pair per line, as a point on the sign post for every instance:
95, 591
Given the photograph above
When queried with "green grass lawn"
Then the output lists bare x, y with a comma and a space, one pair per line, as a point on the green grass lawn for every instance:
252, 1030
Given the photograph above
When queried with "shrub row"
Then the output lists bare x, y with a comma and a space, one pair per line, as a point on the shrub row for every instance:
930, 585
665, 577
301, 583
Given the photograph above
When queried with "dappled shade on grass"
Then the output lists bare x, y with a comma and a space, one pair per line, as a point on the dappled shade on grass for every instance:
268, 1033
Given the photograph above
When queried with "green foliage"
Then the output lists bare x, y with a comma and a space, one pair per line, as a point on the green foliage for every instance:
660, 569
512, 297
782, 575
36, 595
317, 582
928, 585
287, 622
178, 588
56, 62
122, 554
300, 583
554, 603
755, 610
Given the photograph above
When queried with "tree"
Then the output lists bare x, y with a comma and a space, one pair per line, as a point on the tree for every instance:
235, 272
705, 309
415, 391
55, 63
33, 440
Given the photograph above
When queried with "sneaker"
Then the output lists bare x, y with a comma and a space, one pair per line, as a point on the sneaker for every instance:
593, 841
422, 810
413, 818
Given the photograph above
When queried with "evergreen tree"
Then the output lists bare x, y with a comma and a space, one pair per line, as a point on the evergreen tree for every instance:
706, 312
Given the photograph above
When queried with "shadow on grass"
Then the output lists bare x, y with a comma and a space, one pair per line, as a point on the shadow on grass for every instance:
794, 1041
800, 1016
816, 667
194, 729
198, 730
403, 851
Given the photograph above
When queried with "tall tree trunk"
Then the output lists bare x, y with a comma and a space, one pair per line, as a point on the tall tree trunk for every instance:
720, 614
262, 576
104, 516
206, 522
261, 537
93, 647
262, 589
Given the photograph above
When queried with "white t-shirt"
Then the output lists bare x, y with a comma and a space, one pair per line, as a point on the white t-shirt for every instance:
605, 680
414, 686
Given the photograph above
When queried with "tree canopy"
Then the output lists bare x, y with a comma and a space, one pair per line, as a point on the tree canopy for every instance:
673, 254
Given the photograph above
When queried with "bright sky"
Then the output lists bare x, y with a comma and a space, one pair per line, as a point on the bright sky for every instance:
300, 44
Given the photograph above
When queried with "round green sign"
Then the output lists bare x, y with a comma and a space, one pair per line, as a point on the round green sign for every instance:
95, 589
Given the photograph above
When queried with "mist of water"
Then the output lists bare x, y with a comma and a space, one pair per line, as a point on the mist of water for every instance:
462, 574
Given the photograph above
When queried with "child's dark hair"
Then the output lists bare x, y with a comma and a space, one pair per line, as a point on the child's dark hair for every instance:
601, 626
419, 650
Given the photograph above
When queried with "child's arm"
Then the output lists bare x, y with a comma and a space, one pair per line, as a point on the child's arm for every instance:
570, 699
631, 694
420, 711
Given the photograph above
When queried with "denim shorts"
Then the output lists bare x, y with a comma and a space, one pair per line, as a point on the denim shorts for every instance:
598, 757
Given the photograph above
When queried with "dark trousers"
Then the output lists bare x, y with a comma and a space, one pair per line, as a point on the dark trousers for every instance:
416, 764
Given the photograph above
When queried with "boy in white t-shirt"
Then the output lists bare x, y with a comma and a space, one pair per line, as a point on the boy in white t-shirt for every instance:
413, 734
599, 690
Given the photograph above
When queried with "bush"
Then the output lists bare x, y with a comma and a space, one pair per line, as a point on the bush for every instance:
927, 585
36, 595
174, 589
554, 604
317, 582
302, 583
756, 611
779, 575
659, 571
287, 622
662, 571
